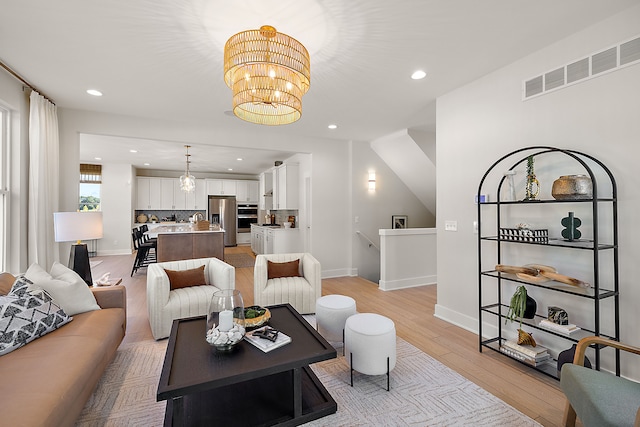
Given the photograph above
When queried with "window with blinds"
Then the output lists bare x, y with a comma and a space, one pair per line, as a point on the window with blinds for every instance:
90, 174
90, 187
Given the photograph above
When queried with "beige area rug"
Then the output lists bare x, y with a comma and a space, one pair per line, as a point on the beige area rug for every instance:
239, 260
424, 392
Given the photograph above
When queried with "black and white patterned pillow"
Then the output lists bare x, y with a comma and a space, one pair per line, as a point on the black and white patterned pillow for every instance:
26, 315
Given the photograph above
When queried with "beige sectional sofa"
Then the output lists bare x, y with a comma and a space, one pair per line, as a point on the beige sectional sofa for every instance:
48, 381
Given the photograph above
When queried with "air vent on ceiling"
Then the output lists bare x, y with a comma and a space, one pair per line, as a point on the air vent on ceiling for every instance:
613, 58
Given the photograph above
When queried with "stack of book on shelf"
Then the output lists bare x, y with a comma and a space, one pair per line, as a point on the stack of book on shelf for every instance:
525, 353
563, 329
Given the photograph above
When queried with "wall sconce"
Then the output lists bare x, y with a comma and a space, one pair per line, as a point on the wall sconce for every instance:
372, 181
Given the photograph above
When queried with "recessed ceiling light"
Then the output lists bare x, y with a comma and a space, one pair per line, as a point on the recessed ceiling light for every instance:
133, 151
94, 92
97, 158
417, 75
230, 169
147, 164
239, 159
333, 126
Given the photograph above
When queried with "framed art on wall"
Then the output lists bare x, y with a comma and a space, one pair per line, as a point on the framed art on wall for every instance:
399, 221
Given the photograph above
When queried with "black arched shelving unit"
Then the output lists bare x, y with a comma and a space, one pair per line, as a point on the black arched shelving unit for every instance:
603, 240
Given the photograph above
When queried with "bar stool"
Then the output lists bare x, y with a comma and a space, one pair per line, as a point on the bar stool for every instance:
370, 342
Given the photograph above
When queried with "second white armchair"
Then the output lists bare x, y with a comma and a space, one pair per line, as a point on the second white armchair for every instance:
299, 291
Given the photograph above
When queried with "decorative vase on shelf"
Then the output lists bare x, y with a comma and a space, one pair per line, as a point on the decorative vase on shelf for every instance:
225, 320
572, 187
530, 309
532, 182
511, 188
566, 356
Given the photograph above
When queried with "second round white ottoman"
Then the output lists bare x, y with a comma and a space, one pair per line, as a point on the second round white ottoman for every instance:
332, 312
370, 344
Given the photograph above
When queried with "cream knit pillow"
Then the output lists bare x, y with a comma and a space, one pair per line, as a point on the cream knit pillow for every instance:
65, 286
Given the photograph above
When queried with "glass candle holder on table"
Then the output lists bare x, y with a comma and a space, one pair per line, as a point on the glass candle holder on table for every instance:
225, 320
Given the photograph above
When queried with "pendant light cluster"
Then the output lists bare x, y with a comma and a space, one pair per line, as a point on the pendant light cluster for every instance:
187, 181
268, 73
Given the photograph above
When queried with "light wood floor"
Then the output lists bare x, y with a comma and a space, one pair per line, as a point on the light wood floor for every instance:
412, 310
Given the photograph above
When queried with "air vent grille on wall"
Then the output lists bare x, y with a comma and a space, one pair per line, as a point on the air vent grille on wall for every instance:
624, 54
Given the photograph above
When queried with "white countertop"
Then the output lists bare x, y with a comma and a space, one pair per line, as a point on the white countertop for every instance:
179, 228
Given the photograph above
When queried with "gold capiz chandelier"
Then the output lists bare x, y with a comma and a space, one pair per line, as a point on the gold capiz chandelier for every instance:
268, 72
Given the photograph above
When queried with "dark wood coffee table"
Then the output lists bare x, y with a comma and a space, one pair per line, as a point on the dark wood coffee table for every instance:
245, 387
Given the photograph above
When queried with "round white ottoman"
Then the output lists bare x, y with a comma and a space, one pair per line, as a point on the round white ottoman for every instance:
370, 344
332, 312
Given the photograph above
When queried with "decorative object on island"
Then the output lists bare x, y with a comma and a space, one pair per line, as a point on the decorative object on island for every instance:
572, 187
142, 218
225, 319
399, 221
570, 231
522, 306
532, 181
511, 189
78, 226
187, 181
268, 73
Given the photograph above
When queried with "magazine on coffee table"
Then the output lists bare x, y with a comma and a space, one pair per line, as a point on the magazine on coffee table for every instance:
265, 344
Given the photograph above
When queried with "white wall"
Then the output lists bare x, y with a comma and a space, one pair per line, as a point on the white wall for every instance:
116, 202
374, 209
487, 118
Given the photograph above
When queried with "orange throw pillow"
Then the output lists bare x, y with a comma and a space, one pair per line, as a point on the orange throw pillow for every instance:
185, 278
283, 269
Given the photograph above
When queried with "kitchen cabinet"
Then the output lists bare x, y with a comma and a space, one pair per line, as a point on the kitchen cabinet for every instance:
257, 239
594, 309
265, 191
195, 200
285, 186
148, 193
167, 186
282, 240
201, 200
221, 187
247, 191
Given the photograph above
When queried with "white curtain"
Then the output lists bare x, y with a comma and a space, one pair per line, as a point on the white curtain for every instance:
43, 180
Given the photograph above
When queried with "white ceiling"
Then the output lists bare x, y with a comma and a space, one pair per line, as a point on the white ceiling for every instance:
163, 59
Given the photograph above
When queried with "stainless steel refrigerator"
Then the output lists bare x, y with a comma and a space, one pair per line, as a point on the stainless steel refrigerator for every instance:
222, 210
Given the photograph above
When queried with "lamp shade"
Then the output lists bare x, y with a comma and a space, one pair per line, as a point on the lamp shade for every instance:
76, 226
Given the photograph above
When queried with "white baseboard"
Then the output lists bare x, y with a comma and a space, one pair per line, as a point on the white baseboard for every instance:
461, 320
390, 285
340, 272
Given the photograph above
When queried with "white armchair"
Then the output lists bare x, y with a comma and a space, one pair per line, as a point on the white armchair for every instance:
164, 305
301, 292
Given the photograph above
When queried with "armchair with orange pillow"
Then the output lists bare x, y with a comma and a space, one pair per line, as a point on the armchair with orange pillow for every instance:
293, 278
180, 289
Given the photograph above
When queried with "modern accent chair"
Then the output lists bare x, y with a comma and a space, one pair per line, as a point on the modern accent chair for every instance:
165, 304
301, 291
599, 398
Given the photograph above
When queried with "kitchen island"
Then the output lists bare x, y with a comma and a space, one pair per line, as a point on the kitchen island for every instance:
183, 241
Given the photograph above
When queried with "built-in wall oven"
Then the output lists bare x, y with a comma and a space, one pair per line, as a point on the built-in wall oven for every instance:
247, 215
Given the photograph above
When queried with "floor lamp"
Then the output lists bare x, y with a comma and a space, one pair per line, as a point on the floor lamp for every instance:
78, 226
